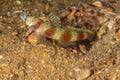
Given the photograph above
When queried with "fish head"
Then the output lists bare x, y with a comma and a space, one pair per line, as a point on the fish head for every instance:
29, 20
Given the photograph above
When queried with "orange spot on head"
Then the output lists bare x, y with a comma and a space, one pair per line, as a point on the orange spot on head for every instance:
36, 26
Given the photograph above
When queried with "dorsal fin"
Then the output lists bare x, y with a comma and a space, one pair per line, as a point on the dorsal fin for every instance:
77, 29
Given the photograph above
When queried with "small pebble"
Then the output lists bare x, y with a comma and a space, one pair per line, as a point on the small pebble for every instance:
18, 2
82, 74
109, 9
74, 51
83, 48
101, 32
97, 4
33, 39
1, 56
102, 20
9, 14
111, 24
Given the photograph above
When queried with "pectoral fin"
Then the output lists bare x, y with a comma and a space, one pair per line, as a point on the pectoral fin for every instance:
44, 40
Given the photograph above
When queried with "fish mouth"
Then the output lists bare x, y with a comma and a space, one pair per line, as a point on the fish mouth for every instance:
23, 17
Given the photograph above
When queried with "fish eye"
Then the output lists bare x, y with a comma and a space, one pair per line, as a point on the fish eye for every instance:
28, 15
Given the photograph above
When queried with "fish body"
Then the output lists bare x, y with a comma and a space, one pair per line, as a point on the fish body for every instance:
66, 34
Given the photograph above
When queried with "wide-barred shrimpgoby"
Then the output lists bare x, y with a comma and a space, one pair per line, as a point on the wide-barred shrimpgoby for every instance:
66, 34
